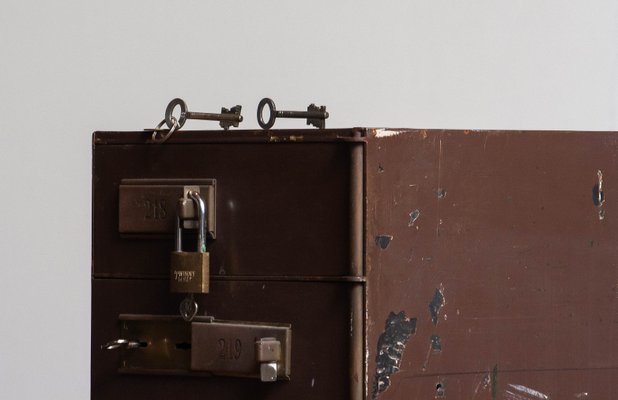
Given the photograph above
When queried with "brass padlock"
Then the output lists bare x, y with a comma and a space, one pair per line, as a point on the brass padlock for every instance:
189, 271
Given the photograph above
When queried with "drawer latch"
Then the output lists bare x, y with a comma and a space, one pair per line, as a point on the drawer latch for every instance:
152, 344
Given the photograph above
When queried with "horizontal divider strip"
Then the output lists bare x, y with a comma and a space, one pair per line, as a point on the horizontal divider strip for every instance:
249, 278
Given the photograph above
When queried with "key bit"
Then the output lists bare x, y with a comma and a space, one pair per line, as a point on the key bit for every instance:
315, 115
226, 118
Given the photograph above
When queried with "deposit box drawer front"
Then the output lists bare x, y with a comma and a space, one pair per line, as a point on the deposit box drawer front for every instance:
281, 209
319, 350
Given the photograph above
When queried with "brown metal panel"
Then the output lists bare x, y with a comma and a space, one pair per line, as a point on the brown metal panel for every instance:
522, 385
320, 361
492, 246
282, 209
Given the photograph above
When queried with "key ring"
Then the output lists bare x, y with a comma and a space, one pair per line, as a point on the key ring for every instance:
170, 120
157, 130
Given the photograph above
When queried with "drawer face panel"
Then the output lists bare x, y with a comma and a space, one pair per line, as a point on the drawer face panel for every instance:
318, 312
281, 209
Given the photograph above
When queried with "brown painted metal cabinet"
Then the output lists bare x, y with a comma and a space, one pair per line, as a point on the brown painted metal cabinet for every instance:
409, 264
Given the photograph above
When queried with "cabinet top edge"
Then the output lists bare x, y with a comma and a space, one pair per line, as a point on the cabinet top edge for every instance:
235, 136
312, 135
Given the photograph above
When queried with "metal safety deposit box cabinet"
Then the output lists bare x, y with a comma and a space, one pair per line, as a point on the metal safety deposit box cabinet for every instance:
355, 264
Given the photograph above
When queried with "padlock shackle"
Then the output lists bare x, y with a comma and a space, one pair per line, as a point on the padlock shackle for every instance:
201, 218
178, 246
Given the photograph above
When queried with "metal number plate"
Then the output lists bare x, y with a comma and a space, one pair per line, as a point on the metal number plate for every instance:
148, 206
229, 348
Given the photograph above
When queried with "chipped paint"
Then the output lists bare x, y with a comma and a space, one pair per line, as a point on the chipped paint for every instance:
440, 193
581, 395
521, 392
383, 241
598, 195
436, 346
414, 215
436, 303
392, 342
382, 133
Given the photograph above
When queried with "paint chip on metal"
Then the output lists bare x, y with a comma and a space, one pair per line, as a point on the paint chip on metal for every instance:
392, 342
436, 346
383, 241
381, 133
440, 193
413, 217
436, 303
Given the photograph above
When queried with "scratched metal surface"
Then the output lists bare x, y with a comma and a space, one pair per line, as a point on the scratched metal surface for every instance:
505, 270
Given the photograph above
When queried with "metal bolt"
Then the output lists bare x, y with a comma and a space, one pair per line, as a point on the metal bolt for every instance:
268, 371
226, 119
315, 115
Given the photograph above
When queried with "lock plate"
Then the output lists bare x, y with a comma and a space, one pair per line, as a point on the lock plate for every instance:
148, 206
231, 348
205, 346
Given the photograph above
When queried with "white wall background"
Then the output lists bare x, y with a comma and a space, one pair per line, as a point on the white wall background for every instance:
69, 68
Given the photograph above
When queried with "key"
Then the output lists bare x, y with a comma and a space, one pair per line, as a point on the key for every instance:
315, 115
128, 344
226, 119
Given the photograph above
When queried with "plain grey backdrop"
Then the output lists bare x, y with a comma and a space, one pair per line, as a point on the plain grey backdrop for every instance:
68, 68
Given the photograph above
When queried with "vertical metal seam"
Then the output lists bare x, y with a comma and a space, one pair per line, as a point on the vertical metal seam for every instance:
357, 378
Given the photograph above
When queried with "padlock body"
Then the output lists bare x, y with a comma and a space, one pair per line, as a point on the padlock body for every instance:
189, 272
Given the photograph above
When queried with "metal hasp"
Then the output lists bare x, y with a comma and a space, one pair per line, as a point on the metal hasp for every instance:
315, 115
170, 346
226, 118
